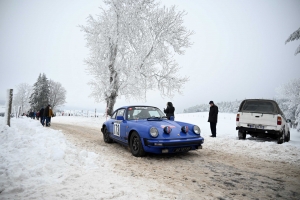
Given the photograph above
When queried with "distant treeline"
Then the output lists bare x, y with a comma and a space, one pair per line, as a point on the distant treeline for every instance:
232, 107
225, 107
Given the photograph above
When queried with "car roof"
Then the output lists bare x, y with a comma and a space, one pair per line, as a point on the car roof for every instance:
269, 100
136, 106
259, 100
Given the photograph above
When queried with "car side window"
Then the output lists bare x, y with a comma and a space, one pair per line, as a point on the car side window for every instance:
114, 115
121, 112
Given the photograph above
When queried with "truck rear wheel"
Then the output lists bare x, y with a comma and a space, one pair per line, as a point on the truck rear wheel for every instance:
280, 138
242, 135
288, 137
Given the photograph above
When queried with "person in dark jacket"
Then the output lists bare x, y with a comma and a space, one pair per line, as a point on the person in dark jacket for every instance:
213, 118
42, 118
48, 114
169, 110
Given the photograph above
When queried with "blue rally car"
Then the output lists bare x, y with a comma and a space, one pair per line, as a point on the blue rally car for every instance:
147, 129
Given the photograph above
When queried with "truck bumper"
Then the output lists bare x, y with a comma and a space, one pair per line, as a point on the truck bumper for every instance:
265, 132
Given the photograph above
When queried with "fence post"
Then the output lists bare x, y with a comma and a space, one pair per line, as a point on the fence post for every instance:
8, 106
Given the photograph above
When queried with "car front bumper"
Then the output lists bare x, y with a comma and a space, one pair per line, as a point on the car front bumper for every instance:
172, 145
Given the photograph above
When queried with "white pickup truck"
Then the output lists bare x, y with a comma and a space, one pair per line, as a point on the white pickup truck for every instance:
262, 118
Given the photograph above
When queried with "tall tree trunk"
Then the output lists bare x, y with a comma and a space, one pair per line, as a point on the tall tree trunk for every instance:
8, 106
114, 81
110, 104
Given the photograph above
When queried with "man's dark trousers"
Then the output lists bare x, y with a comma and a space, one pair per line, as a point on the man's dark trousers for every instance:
213, 128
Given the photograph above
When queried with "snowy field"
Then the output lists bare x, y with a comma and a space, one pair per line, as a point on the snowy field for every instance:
33, 157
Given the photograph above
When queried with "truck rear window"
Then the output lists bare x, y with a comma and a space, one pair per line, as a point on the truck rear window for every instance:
259, 106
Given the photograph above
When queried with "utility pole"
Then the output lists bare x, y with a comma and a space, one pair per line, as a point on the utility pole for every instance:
8, 106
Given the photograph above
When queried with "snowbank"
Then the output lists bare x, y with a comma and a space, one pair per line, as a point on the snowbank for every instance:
32, 156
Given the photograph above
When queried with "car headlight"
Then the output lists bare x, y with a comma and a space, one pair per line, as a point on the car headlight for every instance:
185, 129
197, 130
153, 132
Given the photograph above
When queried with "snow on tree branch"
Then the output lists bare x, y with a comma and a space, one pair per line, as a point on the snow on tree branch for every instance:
57, 94
291, 92
22, 97
294, 36
132, 44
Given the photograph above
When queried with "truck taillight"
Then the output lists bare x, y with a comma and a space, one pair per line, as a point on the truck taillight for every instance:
278, 120
237, 117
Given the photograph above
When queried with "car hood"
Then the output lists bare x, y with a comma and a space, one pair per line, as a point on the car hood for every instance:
160, 125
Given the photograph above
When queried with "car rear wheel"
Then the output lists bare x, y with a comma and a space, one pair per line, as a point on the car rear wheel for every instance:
281, 138
288, 137
136, 145
242, 135
106, 137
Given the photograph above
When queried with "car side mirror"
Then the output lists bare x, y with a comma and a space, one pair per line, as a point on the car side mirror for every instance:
121, 118
172, 118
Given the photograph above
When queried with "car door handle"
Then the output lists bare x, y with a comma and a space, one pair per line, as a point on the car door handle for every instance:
112, 122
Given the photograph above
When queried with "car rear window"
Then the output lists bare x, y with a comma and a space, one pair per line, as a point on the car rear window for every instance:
259, 106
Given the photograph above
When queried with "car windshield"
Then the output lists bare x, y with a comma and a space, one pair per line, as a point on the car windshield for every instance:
143, 112
259, 107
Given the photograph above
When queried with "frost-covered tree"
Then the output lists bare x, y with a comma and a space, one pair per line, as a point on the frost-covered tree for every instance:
22, 97
40, 96
132, 45
291, 92
294, 36
57, 94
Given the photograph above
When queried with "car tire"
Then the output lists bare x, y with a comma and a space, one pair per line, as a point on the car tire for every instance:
136, 146
288, 137
106, 137
242, 135
281, 138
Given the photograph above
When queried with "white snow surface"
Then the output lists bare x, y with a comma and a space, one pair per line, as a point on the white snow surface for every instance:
33, 158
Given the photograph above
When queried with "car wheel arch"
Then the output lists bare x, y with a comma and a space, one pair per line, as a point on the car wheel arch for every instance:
104, 126
130, 133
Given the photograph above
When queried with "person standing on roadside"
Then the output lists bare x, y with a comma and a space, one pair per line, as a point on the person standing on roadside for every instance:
46, 115
213, 118
50, 115
42, 117
169, 110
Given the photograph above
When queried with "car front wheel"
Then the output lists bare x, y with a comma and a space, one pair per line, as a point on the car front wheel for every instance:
136, 145
106, 137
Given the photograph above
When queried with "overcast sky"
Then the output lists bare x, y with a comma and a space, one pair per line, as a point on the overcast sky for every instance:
239, 49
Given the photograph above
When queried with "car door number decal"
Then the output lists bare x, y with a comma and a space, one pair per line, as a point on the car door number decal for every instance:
116, 129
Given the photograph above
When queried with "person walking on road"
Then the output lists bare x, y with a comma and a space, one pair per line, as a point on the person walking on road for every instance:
213, 118
42, 117
48, 114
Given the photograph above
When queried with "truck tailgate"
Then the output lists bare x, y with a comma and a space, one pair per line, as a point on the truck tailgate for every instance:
258, 118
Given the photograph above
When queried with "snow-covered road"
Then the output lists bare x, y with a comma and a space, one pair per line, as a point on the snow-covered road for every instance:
73, 162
